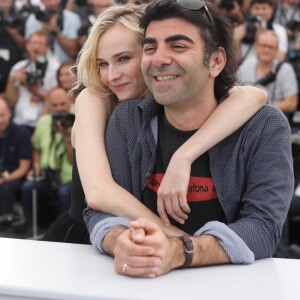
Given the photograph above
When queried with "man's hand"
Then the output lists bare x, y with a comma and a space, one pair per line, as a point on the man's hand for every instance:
2, 180
51, 25
36, 91
146, 251
19, 76
66, 132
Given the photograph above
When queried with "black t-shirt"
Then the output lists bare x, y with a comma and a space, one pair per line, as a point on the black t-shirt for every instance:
15, 146
202, 196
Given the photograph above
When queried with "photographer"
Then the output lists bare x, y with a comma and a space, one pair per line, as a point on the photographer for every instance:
30, 80
15, 159
95, 7
52, 158
12, 40
288, 14
259, 17
279, 80
62, 25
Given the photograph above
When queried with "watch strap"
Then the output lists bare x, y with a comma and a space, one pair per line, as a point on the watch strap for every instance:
188, 249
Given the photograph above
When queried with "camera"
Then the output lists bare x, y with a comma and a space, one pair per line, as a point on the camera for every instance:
252, 22
83, 30
32, 78
14, 21
66, 120
294, 55
38, 72
44, 15
293, 25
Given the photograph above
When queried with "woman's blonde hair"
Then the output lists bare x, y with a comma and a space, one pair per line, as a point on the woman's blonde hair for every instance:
86, 66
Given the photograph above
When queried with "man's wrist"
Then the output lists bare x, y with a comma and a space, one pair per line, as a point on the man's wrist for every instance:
110, 239
188, 250
178, 257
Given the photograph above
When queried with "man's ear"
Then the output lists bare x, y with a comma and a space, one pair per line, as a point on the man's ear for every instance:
217, 62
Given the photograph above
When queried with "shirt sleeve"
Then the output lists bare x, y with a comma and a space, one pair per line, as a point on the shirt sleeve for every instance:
234, 246
72, 23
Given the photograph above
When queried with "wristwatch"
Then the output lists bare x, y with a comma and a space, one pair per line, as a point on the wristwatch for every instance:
188, 249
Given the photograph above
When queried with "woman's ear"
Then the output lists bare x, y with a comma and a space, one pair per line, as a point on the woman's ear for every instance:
217, 62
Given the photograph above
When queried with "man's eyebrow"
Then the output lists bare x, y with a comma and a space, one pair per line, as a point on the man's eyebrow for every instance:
148, 40
172, 38
178, 37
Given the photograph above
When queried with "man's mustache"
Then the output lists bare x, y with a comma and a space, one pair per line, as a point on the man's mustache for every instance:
165, 69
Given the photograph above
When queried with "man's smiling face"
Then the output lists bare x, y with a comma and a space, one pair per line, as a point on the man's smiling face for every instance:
172, 62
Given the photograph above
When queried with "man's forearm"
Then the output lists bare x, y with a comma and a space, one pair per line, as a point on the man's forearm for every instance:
69, 45
208, 251
99, 225
11, 92
109, 241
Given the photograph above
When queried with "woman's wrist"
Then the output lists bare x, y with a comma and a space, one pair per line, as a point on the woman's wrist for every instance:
186, 153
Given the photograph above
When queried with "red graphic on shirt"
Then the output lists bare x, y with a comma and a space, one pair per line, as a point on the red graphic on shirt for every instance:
199, 189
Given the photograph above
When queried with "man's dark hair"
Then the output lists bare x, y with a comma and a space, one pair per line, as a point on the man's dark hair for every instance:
270, 2
214, 35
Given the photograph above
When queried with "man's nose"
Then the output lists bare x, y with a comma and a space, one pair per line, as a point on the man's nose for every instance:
161, 56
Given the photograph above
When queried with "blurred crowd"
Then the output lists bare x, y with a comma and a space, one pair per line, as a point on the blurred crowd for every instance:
39, 44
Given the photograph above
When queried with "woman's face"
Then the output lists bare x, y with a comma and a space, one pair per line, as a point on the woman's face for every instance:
119, 60
66, 78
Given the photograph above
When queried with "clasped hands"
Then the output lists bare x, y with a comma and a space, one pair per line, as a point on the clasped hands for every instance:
145, 251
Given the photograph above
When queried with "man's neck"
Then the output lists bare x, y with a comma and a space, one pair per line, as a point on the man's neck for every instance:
189, 117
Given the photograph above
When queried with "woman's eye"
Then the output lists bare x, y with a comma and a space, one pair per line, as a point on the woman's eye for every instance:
124, 58
102, 64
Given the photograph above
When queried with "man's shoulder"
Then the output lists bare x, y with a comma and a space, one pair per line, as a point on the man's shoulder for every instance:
44, 121
249, 62
266, 123
286, 67
19, 64
278, 28
70, 15
134, 107
18, 131
269, 116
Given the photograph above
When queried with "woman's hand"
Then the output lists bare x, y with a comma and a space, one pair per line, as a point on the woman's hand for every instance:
172, 193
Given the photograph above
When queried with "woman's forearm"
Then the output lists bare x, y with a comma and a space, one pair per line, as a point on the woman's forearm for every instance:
112, 198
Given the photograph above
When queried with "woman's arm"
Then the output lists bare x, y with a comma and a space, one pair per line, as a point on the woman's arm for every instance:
232, 113
101, 192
